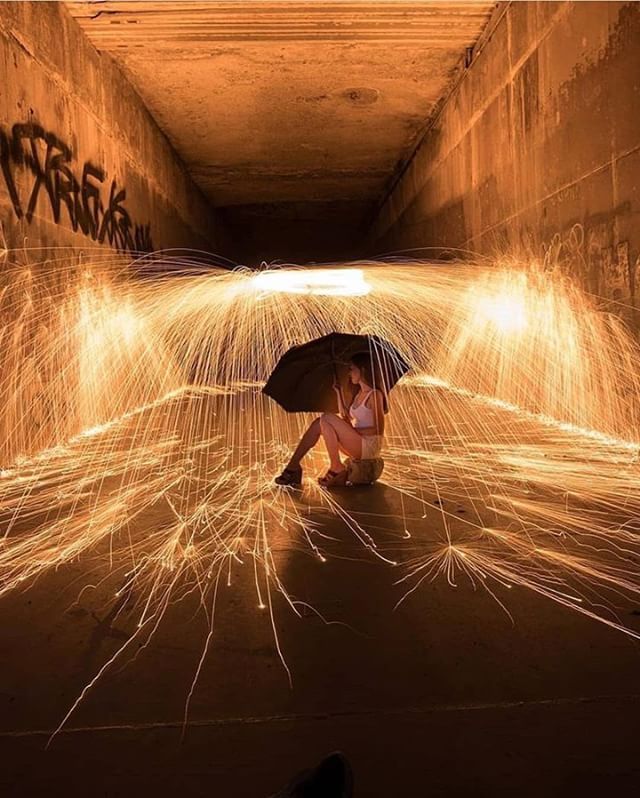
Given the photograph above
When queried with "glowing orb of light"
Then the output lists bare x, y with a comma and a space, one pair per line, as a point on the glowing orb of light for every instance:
321, 282
504, 311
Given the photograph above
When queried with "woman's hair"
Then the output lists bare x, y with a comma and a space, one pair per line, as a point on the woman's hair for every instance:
370, 371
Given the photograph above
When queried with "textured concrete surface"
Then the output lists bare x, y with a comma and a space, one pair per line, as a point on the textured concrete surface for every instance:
293, 114
291, 117
74, 135
541, 134
446, 695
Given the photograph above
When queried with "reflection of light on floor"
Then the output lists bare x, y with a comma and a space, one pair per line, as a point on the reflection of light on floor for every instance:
321, 282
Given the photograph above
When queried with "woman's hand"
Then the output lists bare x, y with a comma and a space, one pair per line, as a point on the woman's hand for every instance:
337, 388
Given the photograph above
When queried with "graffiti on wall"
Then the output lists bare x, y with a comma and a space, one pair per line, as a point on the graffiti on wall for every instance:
48, 159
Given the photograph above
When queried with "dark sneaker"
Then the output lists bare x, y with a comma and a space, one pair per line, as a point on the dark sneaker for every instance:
332, 778
291, 477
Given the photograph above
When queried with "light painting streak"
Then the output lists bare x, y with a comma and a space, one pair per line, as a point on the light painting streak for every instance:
128, 399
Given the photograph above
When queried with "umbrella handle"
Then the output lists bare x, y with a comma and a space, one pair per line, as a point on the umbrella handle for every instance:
337, 382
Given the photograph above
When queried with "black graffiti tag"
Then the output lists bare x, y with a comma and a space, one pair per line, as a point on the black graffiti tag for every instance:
48, 159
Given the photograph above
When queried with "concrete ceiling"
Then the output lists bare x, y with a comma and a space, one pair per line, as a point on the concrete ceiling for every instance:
288, 111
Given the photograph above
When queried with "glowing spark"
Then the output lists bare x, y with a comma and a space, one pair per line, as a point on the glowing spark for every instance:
126, 401
507, 313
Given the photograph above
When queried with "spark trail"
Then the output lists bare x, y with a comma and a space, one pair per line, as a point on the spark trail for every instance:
133, 399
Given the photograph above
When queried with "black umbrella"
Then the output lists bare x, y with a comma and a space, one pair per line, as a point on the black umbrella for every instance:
303, 378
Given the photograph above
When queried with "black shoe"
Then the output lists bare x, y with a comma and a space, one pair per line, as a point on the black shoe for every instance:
291, 477
332, 778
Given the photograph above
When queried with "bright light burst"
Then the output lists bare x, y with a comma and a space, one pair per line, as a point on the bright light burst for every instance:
125, 399
321, 282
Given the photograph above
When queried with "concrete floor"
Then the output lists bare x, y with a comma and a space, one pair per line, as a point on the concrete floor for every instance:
444, 696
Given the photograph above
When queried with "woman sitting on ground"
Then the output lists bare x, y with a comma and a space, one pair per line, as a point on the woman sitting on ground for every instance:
357, 432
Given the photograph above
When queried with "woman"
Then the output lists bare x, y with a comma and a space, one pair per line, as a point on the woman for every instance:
357, 432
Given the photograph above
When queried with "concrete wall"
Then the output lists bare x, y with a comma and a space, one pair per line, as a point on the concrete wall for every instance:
82, 162
541, 134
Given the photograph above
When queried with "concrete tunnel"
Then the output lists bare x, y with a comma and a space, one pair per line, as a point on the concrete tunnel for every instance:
309, 132
313, 132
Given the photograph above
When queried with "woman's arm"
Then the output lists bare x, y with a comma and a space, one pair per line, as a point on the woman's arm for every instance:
378, 416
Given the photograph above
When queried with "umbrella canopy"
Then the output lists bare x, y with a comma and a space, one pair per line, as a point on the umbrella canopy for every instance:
303, 378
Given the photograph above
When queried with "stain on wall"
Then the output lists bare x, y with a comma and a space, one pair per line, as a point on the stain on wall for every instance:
540, 138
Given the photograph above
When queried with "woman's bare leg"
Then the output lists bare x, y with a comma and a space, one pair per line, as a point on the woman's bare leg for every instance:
331, 442
339, 435
307, 442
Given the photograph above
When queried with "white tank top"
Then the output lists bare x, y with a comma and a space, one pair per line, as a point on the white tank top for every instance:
361, 414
